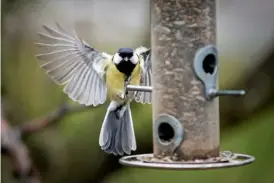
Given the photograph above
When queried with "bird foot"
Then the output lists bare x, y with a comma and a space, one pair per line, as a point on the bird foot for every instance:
121, 96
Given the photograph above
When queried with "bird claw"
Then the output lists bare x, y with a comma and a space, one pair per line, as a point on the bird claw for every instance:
127, 82
142, 79
121, 96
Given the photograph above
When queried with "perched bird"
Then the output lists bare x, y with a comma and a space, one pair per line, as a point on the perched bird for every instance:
89, 76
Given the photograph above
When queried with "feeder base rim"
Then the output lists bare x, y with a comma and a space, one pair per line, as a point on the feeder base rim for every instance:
136, 161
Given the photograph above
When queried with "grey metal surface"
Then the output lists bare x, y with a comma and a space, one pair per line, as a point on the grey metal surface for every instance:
210, 79
215, 93
139, 88
177, 127
138, 161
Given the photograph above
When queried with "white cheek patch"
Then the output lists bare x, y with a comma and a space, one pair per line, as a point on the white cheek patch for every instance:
134, 59
117, 59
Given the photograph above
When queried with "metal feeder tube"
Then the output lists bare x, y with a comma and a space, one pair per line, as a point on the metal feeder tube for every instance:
185, 89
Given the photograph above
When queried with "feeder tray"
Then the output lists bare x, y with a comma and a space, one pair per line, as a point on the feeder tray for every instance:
226, 160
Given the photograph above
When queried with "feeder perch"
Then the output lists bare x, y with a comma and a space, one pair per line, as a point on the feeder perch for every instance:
185, 89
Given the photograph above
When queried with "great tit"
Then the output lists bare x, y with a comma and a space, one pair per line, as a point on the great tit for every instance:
89, 76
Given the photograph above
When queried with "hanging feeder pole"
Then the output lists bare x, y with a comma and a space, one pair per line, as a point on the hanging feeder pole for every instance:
186, 130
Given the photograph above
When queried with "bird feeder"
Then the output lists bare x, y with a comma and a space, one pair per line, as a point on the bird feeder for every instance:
185, 89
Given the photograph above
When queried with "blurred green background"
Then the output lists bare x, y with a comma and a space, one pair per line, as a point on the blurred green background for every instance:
68, 151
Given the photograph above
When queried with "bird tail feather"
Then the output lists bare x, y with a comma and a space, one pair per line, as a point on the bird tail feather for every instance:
117, 135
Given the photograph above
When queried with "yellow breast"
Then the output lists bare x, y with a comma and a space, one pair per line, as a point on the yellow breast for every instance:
115, 80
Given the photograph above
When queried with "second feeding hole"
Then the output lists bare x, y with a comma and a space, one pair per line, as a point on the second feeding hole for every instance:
209, 64
165, 132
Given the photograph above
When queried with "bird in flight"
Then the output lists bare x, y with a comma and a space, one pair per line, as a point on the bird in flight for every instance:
90, 77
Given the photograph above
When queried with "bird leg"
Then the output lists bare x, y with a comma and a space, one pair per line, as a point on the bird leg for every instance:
141, 79
127, 82
123, 94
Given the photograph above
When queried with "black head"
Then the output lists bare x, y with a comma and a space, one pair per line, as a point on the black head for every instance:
125, 53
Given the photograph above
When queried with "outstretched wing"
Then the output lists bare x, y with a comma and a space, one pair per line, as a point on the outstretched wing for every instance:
145, 97
72, 62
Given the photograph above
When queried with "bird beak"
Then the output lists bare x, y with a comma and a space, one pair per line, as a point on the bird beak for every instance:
126, 59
